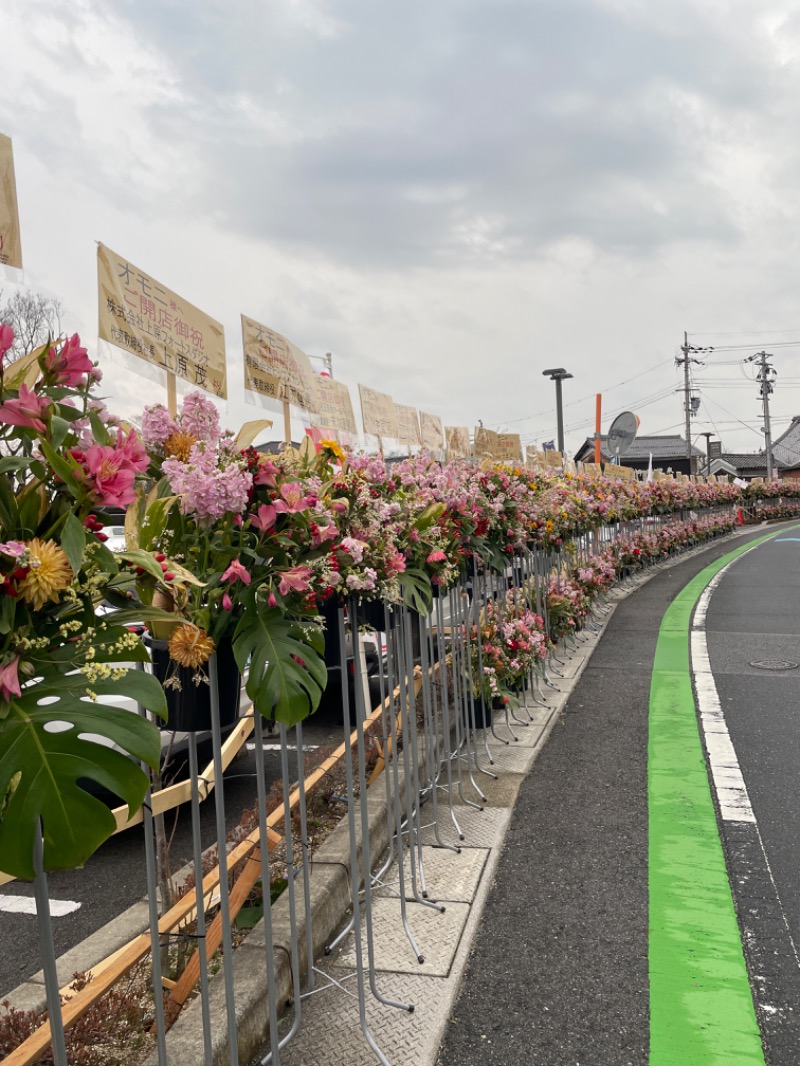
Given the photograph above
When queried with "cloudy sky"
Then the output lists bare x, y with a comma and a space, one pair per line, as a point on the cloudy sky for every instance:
451, 196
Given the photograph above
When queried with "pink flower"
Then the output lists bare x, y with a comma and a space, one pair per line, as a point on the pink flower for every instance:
9, 680
237, 572
6, 338
157, 425
437, 557
110, 481
27, 410
227, 602
13, 548
130, 451
296, 580
200, 417
68, 363
266, 474
265, 518
294, 498
271, 601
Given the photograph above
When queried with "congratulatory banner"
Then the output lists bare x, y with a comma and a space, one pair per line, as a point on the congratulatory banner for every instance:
377, 413
334, 407
275, 367
10, 244
148, 320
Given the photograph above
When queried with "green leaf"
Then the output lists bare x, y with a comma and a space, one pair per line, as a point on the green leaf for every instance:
278, 685
59, 428
99, 429
432, 513
60, 465
8, 607
417, 591
51, 761
155, 519
139, 557
9, 512
73, 541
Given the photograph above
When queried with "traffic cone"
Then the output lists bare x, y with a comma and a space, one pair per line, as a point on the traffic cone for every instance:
739, 517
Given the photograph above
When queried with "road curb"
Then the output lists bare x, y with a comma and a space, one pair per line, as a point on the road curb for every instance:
330, 901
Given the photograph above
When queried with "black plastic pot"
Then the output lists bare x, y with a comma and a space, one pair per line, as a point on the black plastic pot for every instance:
189, 708
371, 613
483, 718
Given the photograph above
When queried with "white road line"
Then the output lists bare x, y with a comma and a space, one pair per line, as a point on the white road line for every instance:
276, 747
734, 802
732, 795
27, 905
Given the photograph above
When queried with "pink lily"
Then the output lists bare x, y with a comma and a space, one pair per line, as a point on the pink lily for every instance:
68, 363
112, 484
27, 410
296, 580
266, 474
227, 602
265, 518
9, 680
237, 572
294, 499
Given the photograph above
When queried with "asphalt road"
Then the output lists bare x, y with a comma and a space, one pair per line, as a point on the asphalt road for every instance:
559, 971
115, 876
754, 617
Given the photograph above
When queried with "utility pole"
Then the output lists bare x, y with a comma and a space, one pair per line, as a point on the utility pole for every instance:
766, 377
688, 407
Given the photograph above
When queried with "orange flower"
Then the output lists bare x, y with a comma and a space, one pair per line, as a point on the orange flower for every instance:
179, 444
49, 574
190, 645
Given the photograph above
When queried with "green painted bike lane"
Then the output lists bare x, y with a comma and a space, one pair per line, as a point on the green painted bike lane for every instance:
701, 1005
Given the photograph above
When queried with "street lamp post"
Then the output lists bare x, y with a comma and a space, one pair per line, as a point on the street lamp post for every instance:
558, 375
708, 437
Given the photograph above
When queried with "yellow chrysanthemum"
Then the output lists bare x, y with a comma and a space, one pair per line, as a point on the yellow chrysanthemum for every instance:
333, 447
190, 645
49, 574
179, 444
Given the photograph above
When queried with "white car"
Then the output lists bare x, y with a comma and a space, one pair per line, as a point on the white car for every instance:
116, 538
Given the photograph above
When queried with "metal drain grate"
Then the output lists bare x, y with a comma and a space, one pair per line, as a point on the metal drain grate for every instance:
774, 664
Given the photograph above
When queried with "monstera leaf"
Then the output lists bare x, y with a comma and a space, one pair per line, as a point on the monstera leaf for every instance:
287, 672
45, 751
417, 591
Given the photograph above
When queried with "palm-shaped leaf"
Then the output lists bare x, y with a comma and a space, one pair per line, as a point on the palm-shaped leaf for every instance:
280, 687
44, 753
417, 590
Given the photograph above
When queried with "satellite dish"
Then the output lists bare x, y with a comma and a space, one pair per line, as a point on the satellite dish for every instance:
622, 433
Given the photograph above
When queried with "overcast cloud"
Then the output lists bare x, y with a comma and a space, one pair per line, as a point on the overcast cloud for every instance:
449, 195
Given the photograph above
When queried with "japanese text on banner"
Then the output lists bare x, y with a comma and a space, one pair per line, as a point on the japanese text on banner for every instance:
150, 321
407, 424
377, 412
334, 407
10, 243
458, 442
274, 366
431, 432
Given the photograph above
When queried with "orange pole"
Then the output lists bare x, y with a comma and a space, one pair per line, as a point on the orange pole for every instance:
597, 426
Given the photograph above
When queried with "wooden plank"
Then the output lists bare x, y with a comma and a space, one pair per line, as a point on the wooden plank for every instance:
191, 975
107, 973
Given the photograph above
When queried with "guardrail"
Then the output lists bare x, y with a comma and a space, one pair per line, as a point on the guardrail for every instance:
432, 736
